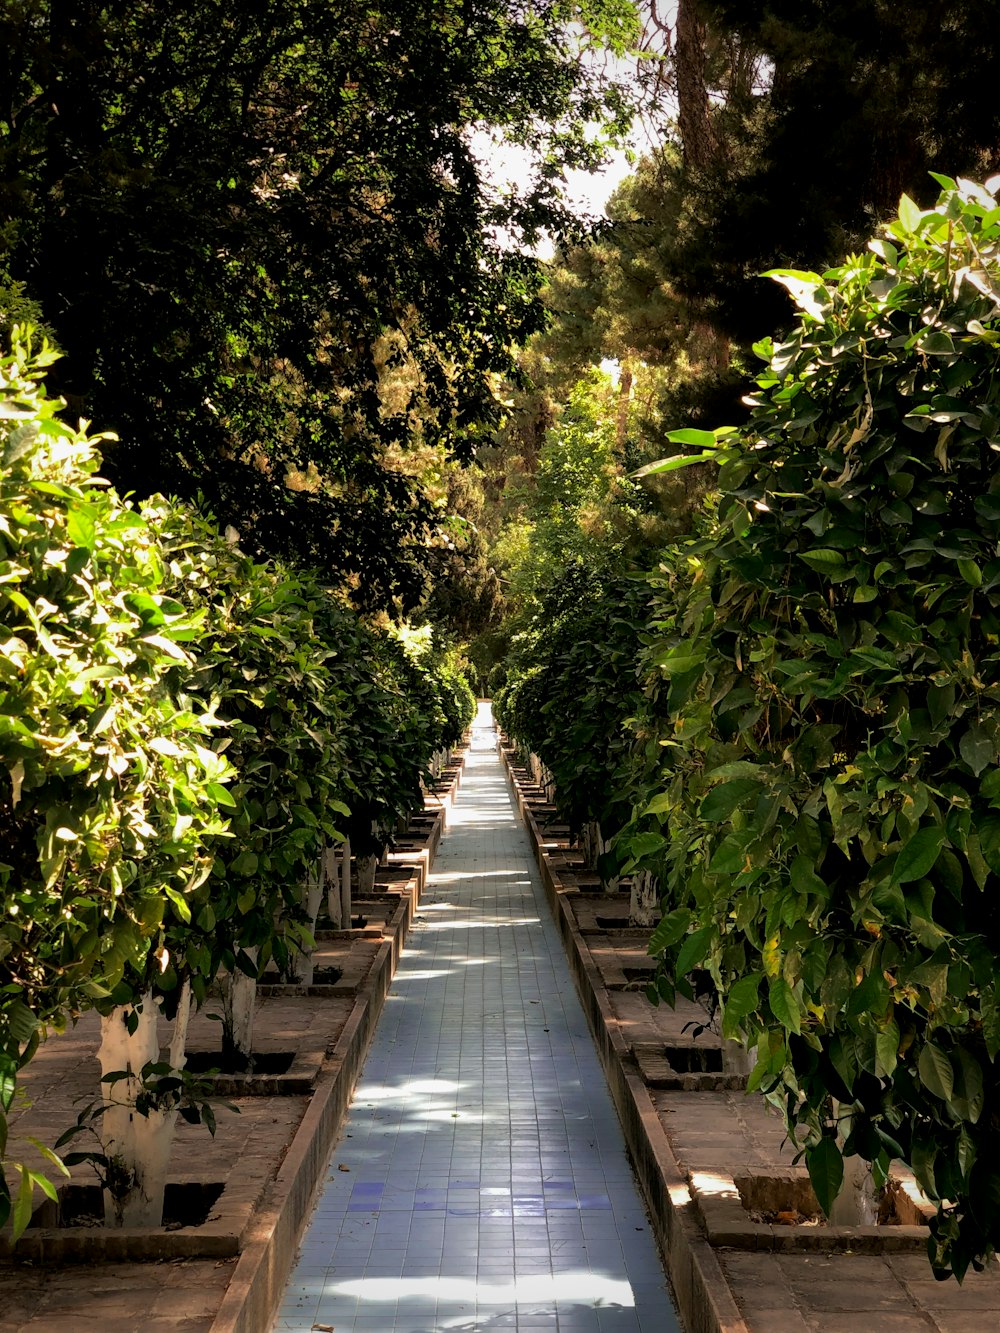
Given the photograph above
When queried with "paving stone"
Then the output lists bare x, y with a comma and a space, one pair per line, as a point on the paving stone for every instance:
881, 1321
779, 1319
481, 1123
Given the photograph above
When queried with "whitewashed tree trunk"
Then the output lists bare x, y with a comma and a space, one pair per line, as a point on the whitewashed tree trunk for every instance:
178, 1034
239, 997
345, 885
302, 966
331, 873
589, 837
857, 1203
594, 846
137, 1146
737, 1058
367, 866
644, 903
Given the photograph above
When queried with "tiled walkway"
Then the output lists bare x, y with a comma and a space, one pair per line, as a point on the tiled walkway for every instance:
481, 1180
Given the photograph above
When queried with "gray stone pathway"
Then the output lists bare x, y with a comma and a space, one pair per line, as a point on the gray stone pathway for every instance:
481, 1180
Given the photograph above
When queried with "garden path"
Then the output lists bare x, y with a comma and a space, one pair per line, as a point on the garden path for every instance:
480, 1181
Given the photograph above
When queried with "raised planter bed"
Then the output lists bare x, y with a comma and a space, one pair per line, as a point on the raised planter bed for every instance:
228, 1271
725, 1140
777, 1210
690, 1068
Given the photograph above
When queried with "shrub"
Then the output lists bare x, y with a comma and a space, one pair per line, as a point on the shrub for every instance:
830, 808
572, 684
110, 790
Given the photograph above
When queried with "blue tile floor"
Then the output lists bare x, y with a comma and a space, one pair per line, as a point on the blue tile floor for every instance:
480, 1181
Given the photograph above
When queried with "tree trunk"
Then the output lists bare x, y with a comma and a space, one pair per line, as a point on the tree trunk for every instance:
301, 964
345, 885
367, 866
137, 1146
737, 1058
590, 836
644, 904
239, 997
624, 400
332, 874
698, 138
178, 1035
857, 1203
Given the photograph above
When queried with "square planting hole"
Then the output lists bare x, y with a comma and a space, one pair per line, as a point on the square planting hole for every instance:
789, 1201
262, 1063
643, 974
322, 976
694, 1059
187, 1205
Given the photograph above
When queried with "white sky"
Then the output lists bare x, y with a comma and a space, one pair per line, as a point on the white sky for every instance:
587, 191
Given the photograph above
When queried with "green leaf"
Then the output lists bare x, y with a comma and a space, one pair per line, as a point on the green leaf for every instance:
730, 857
968, 1097
180, 905
919, 854
694, 950
659, 805
672, 464
641, 845
245, 864
698, 439
22, 1206
976, 748
887, 1049
742, 999
783, 1004
936, 1073
721, 801
971, 572
990, 1016
802, 287
909, 214
669, 930
824, 559
221, 794
988, 842
826, 1171
937, 343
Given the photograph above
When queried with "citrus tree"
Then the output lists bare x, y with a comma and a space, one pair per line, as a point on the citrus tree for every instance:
110, 790
828, 801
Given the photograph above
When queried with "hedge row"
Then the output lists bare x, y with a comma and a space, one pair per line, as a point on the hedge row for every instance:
182, 731
815, 779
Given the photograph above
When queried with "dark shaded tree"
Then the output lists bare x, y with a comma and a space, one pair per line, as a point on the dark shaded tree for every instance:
244, 218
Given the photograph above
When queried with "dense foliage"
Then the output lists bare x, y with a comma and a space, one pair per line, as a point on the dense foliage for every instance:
182, 732
571, 683
828, 802
109, 805
266, 240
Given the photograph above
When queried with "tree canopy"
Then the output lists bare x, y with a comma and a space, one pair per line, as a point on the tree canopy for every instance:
263, 236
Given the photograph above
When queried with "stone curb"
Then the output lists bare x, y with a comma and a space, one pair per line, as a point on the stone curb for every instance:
705, 1302
261, 1273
